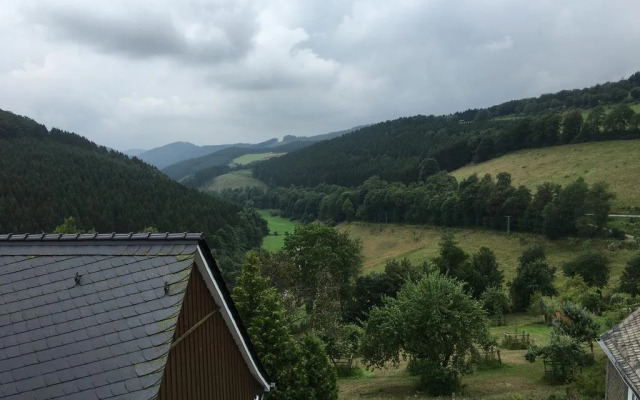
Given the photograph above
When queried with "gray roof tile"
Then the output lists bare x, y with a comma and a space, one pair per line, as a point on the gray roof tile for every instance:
623, 342
107, 336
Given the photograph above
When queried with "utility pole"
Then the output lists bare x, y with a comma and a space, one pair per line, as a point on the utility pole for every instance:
508, 224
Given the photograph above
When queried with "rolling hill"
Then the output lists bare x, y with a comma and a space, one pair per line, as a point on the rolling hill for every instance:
46, 176
616, 163
395, 150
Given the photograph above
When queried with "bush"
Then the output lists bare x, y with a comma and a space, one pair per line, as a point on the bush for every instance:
565, 354
593, 267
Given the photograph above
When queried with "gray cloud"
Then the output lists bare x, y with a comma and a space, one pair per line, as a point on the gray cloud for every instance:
144, 73
210, 34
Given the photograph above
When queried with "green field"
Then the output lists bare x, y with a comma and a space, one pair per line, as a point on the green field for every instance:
381, 243
234, 180
615, 162
249, 158
276, 224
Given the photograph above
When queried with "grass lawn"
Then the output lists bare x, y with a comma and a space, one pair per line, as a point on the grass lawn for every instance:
234, 180
249, 158
276, 224
383, 242
616, 163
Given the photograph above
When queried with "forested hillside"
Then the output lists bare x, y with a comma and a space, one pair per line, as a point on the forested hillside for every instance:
395, 150
48, 176
196, 171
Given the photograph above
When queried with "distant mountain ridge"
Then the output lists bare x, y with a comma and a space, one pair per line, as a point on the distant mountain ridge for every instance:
134, 152
172, 153
225, 154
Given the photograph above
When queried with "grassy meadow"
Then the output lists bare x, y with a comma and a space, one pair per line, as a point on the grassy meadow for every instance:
276, 224
615, 162
381, 243
234, 180
249, 158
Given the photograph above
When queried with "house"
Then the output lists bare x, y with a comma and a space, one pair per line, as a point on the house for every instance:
135, 316
621, 344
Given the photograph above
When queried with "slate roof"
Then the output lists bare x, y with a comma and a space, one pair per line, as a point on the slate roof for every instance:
87, 316
622, 345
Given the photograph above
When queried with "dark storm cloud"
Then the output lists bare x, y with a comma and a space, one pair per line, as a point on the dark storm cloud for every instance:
143, 34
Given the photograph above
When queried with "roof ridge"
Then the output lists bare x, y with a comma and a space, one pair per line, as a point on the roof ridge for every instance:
66, 237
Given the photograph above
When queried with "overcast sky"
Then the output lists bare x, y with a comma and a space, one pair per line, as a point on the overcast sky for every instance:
143, 73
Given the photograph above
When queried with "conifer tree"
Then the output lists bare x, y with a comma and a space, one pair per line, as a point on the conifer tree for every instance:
268, 327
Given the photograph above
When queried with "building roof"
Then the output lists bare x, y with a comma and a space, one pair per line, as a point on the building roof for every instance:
622, 346
93, 315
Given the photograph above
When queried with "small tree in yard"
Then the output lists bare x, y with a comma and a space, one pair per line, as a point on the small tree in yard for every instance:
483, 272
564, 354
432, 321
496, 302
576, 322
593, 267
451, 259
532, 275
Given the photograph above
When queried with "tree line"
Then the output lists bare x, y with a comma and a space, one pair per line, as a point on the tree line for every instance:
575, 209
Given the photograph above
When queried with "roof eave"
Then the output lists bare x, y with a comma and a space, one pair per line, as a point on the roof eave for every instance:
618, 368
217, 287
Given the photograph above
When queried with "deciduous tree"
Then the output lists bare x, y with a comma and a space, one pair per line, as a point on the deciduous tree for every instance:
435, 323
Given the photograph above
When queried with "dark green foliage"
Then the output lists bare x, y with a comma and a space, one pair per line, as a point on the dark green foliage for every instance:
428, 167
566, 356
532, 275
593, 267
590, 384
328, 263
269, 329
618, 119
371, 289
483, 272
441, 200
496, 302
572, 326
532, 253
398, 272
565, 215
47, 177
321, 374
598, 203
630, 279
576, 322
432, 321
451, 259
571, 126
